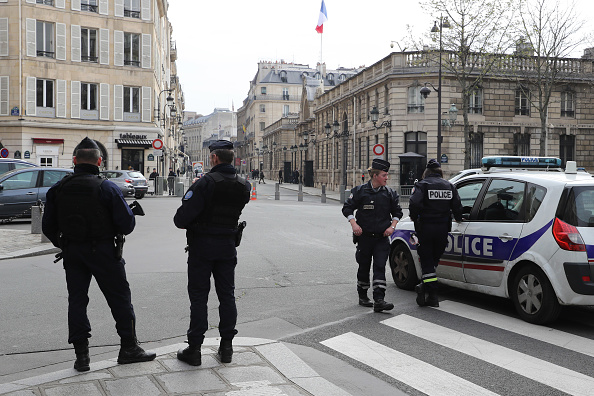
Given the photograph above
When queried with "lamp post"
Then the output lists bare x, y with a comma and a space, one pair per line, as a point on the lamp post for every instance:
443, 23
375, 116
173, 112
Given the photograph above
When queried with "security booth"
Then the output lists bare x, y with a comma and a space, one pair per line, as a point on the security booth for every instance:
412, 166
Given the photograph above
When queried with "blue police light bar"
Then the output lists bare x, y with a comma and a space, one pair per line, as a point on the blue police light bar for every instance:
520, 162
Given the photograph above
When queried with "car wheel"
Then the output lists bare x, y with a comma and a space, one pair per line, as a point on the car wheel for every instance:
403, 267
139, 195
534, 297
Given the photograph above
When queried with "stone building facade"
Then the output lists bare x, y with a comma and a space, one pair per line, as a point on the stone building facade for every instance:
97, 68
502, 120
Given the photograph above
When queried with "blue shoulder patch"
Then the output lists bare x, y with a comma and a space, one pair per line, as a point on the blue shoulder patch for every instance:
188, 195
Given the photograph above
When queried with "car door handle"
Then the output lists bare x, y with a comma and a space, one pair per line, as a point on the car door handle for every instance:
31, 193
456, 232
506, 237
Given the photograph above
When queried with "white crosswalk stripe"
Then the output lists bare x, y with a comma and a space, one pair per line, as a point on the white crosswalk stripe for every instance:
545, 334
555, 376
422, 376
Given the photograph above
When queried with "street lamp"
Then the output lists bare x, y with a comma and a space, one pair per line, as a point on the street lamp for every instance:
443, 23
327, 129
375, 116
452, 115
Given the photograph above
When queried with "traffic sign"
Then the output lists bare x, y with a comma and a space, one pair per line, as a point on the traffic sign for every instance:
378, 149
157, 144
158, 153
4, 153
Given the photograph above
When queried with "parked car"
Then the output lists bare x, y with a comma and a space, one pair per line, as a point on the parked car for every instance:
22, 188
527, 235
465, 172
124, 184
135, 178
6, 165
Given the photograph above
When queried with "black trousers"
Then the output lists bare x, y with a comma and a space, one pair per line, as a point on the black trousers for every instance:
216, 256
433, 239
378, 250
83, 261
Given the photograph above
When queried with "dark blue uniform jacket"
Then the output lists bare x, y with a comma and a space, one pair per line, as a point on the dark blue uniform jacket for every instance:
375, 210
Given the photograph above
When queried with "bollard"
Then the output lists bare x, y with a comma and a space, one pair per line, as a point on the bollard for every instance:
341, 188
300, 193
36, 216
179, 189
323, 196
159, 185
276, 192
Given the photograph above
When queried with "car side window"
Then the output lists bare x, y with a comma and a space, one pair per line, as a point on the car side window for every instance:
21, 180
468, 192
534, 197
18, 165
4, 167
52, 177
503, 201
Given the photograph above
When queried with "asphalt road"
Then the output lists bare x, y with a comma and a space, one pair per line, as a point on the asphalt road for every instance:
295, 282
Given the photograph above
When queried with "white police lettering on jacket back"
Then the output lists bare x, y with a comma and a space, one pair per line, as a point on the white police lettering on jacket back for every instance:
440, 194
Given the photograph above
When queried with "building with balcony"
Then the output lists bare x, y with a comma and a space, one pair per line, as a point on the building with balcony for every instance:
501, 118
97, 68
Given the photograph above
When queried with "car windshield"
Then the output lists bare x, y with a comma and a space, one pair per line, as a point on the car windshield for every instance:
579, 210
135, 174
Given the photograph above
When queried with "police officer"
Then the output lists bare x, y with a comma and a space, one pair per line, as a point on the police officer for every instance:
378, 212
210, 212
83, 214
432, 203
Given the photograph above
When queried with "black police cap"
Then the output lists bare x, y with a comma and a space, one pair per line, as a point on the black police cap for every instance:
433, 164
87, 143
380, 164
221, 145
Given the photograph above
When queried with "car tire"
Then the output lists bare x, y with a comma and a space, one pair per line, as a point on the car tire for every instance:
534, 297
403, 268
139, 195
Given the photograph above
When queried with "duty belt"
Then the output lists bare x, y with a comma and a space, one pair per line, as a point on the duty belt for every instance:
372, 234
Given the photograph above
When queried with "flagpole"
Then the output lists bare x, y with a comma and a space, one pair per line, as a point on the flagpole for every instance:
321, 47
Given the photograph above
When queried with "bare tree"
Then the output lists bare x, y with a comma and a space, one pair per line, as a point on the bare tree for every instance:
549, 34
479, 33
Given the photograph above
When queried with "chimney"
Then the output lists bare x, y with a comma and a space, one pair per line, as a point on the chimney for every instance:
523, 48
588, 53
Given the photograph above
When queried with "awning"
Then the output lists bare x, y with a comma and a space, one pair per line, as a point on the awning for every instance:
48, 141
144, 143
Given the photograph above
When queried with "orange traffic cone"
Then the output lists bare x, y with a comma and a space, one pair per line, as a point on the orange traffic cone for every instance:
253, 193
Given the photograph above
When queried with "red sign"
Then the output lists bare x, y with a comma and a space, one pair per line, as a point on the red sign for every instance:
4, 152
378, 149
157, 144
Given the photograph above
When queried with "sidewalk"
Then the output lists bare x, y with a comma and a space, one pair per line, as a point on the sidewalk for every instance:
259, 367
314, 191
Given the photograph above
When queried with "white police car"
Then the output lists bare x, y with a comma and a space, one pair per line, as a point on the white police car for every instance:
527, 234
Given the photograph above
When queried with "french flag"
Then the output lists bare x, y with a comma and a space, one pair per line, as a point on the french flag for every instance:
323, 18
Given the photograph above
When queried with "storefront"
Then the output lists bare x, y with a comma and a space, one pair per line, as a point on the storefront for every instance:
133, 150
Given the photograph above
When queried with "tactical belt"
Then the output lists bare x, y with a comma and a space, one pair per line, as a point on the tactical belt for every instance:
372, 234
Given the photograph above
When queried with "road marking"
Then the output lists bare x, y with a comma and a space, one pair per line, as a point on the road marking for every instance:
545, 334
422, 376
539, 370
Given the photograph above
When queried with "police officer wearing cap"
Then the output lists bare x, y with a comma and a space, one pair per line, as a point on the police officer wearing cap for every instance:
377, 213
432, 203
210, 213
83, 214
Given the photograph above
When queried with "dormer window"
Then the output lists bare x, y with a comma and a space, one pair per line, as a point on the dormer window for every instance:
342, 77
330, 78
283, 76
305, 74
263, 90
317, 75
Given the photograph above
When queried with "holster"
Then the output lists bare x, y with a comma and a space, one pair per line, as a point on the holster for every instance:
239, 234
119, 246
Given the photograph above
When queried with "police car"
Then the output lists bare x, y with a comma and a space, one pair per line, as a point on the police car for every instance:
527, 235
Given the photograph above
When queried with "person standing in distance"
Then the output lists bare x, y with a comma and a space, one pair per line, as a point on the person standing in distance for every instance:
210, 213
432, 203
83, 214
378, 212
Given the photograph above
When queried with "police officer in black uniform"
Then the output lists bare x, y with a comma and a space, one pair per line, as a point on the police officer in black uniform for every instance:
378, 212
210, 212
83, 214
432, 203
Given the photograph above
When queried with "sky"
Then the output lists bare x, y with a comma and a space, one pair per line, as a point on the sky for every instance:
220, 42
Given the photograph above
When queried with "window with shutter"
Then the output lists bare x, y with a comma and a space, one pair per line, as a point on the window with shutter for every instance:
75, 5
61, 99
75, 43
146, 104
60, 3
118, 48
4, 95
145, 10
119, 8
30, 109
3, 36
104, 102
60, 41
104, 46
118, 105
30, 36
75, 99
146, 51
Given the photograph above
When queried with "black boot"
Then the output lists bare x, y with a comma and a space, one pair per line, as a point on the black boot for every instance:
131, 352
83, 361
432, 300
225, 351
421, 297
364, 301
380, 305
191, 355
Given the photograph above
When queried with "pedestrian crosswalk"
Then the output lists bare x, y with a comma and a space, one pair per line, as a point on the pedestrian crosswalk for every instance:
443, 381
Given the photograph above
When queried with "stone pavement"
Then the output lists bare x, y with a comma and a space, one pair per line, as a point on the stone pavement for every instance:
260, 367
